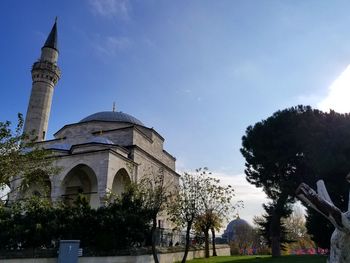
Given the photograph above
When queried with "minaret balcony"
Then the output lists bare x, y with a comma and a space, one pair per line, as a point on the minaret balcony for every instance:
46, 65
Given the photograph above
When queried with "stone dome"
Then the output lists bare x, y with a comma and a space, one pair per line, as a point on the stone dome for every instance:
233, 226
116, 116
236, 223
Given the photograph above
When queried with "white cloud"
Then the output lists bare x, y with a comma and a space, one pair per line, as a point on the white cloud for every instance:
252, 197
111, 45
111, 8
338, 94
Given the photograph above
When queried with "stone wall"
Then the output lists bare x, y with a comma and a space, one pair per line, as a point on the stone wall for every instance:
124, 135
164, 257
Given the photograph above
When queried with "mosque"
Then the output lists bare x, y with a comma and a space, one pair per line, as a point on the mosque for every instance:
233, 228
99, 154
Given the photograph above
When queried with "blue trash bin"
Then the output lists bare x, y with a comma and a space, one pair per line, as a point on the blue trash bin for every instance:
68, 251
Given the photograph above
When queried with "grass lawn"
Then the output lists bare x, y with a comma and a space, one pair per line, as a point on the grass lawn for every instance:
262, 259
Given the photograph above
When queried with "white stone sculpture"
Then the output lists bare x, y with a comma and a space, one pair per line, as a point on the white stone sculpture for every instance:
321, 202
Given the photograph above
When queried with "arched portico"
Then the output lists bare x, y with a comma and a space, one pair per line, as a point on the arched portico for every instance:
80, 180
120, 182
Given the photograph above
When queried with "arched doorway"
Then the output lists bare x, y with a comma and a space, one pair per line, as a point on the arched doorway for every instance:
81, 180
120, 182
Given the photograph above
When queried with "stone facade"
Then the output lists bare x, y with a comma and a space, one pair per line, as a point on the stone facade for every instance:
45, 75
100, 154
98, 157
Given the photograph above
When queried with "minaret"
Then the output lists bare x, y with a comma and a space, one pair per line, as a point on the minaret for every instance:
45, 75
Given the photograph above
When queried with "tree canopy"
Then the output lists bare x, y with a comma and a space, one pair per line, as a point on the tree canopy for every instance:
201, 203
295, 145
36, 223
155, 190
22, 160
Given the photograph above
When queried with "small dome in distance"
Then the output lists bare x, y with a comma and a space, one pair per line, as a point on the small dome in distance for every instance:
233, 226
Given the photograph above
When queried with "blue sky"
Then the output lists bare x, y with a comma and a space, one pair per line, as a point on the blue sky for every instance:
199, 72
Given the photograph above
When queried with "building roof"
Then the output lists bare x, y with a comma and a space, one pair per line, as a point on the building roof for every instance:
51, 40
115, 116
59, 146
99, 139
236, 223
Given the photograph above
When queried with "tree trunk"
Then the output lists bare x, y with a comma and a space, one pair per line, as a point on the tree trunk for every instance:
275, 234
206, 240
213, 241
187, 246
275, 246
153, 233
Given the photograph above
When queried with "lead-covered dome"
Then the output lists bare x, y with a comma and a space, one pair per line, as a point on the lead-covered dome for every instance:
238, 222
236, 227
116, 116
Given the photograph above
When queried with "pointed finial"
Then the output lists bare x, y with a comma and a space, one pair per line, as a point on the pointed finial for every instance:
51, 40
114, 106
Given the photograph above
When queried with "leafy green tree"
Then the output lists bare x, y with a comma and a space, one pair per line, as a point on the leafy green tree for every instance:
204, 223
201, 202
314, 221
155, 190
184, 208
297, 145
21, 160
297, 232
272, 227
34, 222
215, 205
123, 223
274, 156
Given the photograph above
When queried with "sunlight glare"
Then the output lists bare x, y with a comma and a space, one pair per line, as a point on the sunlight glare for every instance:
338, 98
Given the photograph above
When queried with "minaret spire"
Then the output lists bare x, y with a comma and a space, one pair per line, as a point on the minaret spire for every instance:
51, 41
45, 75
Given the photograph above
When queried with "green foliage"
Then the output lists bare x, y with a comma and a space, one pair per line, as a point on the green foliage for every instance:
184, 207
215, 205
21, 160
123, 223
156, 191
274, 154
36, 223
268, 224
297, 145
297, 232
201, 201
320, 236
